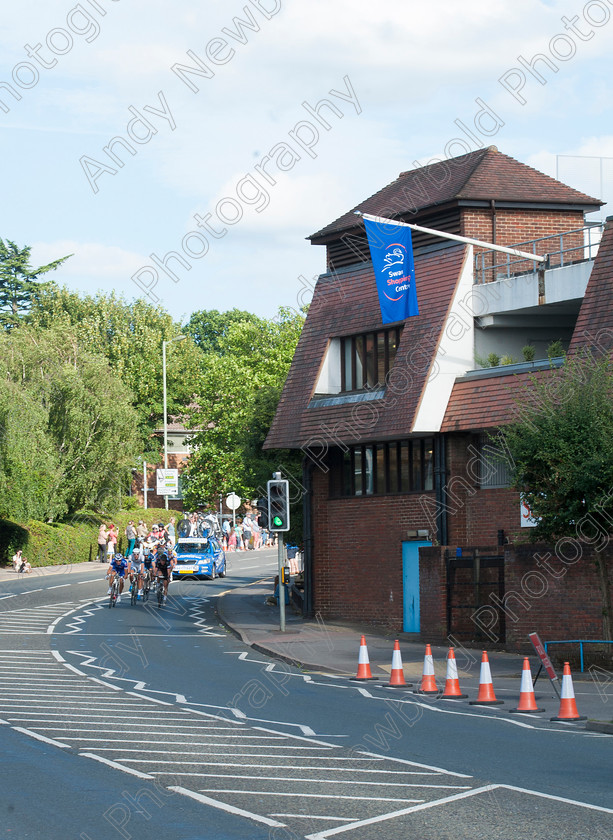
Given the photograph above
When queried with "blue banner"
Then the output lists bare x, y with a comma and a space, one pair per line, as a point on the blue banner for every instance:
391, 251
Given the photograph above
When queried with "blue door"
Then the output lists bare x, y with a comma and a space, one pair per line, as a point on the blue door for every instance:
410, 584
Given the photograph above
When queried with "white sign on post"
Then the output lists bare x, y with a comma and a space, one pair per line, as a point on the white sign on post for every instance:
233, 502
167, 482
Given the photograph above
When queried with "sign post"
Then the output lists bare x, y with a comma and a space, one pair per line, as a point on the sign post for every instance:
539, 647
233, 502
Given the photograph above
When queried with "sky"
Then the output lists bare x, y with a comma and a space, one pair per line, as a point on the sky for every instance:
183, 151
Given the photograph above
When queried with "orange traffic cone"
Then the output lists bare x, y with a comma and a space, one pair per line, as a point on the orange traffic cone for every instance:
568, 706
397, 674
363, 663
428, 681
527, 700
452, 684
486, 696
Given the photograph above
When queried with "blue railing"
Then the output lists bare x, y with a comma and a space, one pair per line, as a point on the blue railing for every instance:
579, 642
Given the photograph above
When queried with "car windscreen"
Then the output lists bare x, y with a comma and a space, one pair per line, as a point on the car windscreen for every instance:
193, 548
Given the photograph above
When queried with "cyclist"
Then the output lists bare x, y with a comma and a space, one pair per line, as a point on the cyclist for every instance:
146, 567
118, 566
162, 564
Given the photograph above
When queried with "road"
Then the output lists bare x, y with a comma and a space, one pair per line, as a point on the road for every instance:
125, 722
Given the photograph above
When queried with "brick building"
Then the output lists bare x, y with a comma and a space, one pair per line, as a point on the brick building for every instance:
392, 418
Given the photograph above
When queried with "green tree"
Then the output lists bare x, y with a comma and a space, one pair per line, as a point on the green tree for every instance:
240, 388
129, 335
19, 288
67, 429
562, 449
209, 328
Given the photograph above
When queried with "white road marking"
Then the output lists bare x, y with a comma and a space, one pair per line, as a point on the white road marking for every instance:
314, 817
206, 800
41, 738
313, 795
116, 766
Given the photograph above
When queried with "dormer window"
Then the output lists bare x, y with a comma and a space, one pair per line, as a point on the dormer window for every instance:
367, 358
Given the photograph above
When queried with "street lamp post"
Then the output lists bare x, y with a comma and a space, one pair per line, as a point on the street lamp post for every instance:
164, 343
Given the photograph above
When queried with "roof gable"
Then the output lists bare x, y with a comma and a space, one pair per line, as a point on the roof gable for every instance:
346, 303
594, 327
484, 175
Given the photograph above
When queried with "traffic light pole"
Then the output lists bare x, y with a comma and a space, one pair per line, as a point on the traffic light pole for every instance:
280, 559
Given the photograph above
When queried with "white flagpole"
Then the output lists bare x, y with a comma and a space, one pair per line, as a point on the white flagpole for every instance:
513, 251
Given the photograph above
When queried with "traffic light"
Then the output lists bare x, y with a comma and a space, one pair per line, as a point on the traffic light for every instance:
262, 507
278, 505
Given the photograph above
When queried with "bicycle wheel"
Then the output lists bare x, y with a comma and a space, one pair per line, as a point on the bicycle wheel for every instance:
134, 592
160, 593
146, 587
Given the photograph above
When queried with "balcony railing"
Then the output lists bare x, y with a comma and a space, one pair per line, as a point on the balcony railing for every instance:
571, 246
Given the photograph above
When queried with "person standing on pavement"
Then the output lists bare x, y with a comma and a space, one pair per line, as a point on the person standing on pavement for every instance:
131, 538
103, 536
170, 530
112, 541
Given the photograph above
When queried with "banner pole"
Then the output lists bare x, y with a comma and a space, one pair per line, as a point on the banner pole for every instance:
465, 239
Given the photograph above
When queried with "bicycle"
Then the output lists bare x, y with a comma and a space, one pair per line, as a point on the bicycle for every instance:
160, 591
133, 589
146, 586
114, 592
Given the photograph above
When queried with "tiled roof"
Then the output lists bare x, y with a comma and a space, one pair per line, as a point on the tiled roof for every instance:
346, 303
482, 175
484, 403
594, 325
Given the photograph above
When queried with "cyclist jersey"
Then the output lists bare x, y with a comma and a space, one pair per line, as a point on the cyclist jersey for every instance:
162, 563
119, 564
148, 561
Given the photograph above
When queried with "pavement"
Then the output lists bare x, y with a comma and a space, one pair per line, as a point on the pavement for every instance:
332, 647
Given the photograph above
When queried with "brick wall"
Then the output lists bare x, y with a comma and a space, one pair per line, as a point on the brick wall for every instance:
357, 553
557, 598
516, 226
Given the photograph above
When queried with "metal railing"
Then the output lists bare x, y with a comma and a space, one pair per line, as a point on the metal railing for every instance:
571, 246
579, 642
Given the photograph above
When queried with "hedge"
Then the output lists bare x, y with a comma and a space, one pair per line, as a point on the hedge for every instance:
75, 541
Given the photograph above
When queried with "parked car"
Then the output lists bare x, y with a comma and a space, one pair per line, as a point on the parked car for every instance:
201, 558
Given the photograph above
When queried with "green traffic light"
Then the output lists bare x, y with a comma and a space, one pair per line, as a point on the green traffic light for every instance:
277, 521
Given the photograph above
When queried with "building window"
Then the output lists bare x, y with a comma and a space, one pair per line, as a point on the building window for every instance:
494, 467
405, 466
367, 358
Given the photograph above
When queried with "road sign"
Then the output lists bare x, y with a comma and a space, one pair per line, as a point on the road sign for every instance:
233, 502
539, 647
167, 482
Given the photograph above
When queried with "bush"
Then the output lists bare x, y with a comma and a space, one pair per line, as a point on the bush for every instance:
75, 541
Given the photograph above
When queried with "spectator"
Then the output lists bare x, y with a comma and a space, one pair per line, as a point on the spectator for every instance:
103, 537
131, 538
141, 530
247, 531
232, 540
170, 530
17, 560
112, 540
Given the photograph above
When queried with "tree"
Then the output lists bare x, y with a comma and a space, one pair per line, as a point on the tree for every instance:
241, 383
18, 287
562, 449
209, 328
68, 434
129, 335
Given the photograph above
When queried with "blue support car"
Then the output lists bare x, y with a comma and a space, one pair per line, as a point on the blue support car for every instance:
201, 558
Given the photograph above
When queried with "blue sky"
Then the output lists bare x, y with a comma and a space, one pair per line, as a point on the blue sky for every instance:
220, 162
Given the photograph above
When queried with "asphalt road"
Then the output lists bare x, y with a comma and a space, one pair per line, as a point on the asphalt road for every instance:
126, 722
